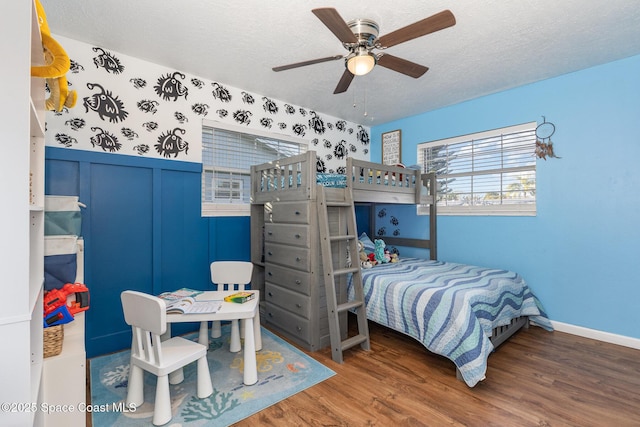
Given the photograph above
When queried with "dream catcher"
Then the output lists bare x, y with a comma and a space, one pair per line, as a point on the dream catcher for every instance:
544, 146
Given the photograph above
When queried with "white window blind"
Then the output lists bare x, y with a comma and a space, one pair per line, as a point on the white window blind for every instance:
486, 173
227, 156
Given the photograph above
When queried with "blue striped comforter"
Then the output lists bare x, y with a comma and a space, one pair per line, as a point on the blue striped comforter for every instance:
450, 308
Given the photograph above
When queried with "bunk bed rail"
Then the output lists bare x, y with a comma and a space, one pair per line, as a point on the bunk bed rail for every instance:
294, 178
290, 178
375, 182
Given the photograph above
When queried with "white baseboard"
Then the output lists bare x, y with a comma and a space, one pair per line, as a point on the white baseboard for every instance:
597, 335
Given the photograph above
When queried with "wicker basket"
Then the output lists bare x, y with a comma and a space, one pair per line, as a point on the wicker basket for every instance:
53, 337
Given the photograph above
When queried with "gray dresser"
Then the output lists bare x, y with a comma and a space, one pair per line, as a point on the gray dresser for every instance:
295, 303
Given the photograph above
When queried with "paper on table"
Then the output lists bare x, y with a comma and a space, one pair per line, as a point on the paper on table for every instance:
189, 305
179, 294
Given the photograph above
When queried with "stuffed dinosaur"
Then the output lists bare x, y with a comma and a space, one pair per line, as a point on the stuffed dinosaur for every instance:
379, 251
57, 64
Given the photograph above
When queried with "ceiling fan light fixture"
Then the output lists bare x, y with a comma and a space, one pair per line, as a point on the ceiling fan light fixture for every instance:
360, 38
361, 63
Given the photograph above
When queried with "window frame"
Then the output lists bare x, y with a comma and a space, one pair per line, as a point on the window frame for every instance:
508, 209
212, 209
228, 187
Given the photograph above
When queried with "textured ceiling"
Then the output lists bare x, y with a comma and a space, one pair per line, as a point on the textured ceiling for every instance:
495, 45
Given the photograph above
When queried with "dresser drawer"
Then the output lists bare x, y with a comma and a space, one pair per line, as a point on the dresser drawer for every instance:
289, 300
295, 212
295, 280
288, 234
288, 322
288, 256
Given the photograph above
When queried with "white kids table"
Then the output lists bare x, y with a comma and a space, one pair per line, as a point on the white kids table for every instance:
248, 313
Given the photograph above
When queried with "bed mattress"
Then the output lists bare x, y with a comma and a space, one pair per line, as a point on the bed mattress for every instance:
450, 308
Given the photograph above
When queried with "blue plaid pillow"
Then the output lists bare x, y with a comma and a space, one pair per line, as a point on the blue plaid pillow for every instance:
369, 246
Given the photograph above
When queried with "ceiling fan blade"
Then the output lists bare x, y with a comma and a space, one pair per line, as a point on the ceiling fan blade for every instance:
434, 23
344, 82
334, 22
304, 63
403, 66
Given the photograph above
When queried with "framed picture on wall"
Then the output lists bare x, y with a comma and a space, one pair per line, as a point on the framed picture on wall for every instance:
391, 147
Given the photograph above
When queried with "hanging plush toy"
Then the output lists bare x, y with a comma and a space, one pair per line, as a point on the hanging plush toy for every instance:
57, 64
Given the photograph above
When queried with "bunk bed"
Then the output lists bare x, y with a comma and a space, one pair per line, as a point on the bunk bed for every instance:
286, 252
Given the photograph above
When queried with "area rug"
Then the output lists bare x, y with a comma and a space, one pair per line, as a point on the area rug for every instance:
283, 371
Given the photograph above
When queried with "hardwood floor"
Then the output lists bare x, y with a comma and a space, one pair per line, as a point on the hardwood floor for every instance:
537, 378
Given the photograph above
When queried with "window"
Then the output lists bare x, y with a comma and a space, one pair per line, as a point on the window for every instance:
486, 173
227, 155
228, 190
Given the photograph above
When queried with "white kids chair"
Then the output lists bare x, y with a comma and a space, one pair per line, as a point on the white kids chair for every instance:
231, 276
148, 319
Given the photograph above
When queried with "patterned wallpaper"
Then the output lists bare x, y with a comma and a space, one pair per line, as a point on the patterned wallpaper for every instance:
130, 106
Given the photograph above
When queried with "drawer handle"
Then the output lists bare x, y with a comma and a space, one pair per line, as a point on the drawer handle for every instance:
270, 294
270, 253
298, 259
298, 328
297, 212
298, 306
270, 233
297, 236
298, 282
270, 314
269, 274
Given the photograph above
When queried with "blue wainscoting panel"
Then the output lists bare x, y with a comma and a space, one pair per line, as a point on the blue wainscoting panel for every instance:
142, 230
120, 256
225, 234
62, 177
185, 234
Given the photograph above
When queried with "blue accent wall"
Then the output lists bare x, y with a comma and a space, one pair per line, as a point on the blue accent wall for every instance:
143, 231
581, 252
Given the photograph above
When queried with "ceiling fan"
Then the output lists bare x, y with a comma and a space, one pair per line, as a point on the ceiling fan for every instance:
360, 38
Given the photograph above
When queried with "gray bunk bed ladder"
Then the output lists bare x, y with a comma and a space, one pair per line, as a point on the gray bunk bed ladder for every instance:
331, 215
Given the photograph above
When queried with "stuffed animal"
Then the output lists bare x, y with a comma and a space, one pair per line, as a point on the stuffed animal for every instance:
57, 64
387, 255
372, 259
361, 253
379, 251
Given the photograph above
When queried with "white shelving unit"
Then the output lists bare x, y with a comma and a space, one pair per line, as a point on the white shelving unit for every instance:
64, 375
22, 219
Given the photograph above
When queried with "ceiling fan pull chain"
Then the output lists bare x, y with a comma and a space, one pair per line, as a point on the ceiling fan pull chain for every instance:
365, 100
355, 104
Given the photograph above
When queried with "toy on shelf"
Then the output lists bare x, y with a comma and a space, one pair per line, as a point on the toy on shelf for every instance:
58, 316
61, 305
